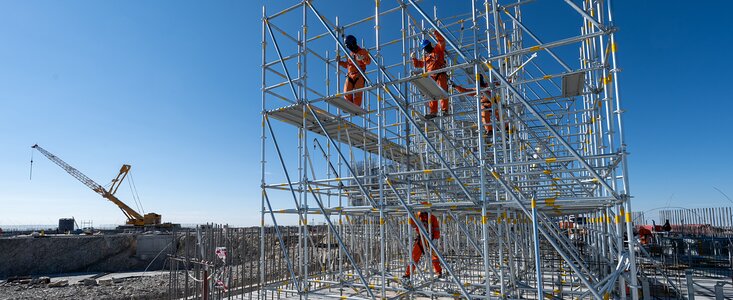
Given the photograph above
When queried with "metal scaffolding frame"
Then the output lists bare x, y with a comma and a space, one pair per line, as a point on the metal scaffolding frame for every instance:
538, 207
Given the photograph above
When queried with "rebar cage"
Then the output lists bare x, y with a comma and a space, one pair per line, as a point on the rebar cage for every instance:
535, 205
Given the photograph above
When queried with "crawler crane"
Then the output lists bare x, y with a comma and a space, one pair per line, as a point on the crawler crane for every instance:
133, 217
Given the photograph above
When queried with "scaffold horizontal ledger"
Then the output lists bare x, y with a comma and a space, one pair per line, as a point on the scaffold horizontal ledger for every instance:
522, 187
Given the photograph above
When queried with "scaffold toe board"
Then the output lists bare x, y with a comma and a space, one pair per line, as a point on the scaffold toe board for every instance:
429, 89
345, 105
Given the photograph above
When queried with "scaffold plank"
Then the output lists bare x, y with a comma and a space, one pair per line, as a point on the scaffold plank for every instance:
572, 84
343, 131
345, 105
429, 89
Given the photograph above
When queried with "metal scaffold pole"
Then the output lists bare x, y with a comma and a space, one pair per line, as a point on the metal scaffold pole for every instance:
263, 138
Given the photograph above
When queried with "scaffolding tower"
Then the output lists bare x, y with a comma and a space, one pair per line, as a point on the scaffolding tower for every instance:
536, 207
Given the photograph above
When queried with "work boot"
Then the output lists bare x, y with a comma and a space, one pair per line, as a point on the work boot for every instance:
430, 116
440, 275
445, 113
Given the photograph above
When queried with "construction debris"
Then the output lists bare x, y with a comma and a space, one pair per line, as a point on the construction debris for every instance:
60, 283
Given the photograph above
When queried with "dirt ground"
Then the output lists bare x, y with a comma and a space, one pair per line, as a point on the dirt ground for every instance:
138, 288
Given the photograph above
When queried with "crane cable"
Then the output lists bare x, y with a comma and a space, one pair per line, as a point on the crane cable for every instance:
135, 195
30, 177
132, 192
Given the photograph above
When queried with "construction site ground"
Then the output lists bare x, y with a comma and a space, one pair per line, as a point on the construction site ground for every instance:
128, 285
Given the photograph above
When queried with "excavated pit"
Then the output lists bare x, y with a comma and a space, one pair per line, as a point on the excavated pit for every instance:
32, 256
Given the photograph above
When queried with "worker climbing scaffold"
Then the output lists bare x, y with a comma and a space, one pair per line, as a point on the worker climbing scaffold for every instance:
428, 220
433, 60
486, 104
354, 80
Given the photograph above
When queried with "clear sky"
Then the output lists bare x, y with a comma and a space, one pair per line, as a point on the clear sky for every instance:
172, 88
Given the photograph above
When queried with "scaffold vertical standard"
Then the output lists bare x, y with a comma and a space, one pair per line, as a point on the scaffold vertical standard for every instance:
519, 190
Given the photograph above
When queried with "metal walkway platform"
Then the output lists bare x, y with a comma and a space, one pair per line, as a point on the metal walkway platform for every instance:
429, 89
346, 106
343, 131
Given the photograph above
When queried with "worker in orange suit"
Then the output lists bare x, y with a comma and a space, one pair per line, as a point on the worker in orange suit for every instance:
431, 224
645, 235
485, 104
354, 80
434, 59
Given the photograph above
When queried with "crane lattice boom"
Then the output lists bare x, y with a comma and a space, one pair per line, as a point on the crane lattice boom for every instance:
72, 171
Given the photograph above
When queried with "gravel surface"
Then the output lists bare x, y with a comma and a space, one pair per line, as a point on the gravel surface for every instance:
139, 288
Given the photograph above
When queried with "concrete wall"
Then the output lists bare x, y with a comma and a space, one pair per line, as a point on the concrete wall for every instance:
150, 246
73, 253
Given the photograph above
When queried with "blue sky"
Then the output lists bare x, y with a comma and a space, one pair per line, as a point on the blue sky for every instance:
172, 88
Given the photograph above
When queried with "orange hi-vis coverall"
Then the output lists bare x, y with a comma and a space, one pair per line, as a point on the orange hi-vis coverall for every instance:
485, 108
433, 227
353, 78
435, 61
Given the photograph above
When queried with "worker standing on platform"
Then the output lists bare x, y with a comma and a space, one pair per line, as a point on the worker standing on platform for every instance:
434, 59
354, 80
485, 104
430, 223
